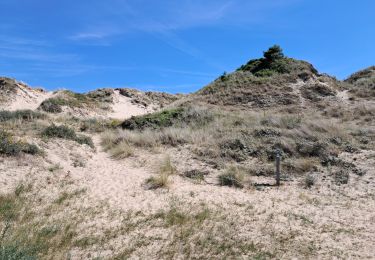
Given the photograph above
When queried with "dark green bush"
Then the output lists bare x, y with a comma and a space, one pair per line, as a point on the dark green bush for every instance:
274, 53
155, 120
52, 105
15, 252
26, 115
309, 180
85, 140
64, 132
10, 147
171, 117
274, 62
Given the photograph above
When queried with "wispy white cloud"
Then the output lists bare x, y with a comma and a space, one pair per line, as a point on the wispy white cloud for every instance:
35, 50
18, 41
166, 19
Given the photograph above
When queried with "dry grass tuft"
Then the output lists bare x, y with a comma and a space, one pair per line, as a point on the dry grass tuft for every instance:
166, 169
233, 177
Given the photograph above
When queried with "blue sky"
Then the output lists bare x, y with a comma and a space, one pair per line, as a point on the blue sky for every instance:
175, 45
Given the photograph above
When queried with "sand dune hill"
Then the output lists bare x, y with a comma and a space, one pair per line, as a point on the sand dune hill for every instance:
19, 96
126, 174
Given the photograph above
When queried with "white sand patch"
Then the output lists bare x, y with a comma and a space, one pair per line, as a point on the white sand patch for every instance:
26, 98
343, 95
124, 108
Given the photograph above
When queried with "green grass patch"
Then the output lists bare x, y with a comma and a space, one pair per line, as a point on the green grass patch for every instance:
64, 132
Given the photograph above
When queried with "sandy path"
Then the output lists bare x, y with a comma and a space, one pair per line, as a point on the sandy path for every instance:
297, 91
343, 95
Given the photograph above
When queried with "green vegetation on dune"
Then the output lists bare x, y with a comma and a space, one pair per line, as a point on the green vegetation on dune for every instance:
275, 62
26, 115
167, 118
9, 146
70, 99
64, 132
156, 120
262, 83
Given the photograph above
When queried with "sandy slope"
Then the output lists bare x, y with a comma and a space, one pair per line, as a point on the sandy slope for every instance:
26, 98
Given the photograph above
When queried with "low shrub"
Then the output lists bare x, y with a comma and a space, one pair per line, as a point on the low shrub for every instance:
195, 174
26, 115
232, 177
52, 105
341, 177
309, 180
122, 150
170, 117
10, 147
82, 139
155, 120
157, 182
64, 132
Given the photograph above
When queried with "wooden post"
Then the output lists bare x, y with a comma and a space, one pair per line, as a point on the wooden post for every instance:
278, 158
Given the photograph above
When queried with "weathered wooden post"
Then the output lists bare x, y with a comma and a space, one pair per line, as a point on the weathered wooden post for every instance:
278, 158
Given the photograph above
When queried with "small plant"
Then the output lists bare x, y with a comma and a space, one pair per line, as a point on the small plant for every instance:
78, 162
85, 140
167, 166
122, 150
341, 177
55, 167
224, 76
232, 177
196, 174
162, 180
309, 180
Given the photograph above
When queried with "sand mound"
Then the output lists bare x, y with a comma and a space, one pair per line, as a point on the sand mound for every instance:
18, 95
